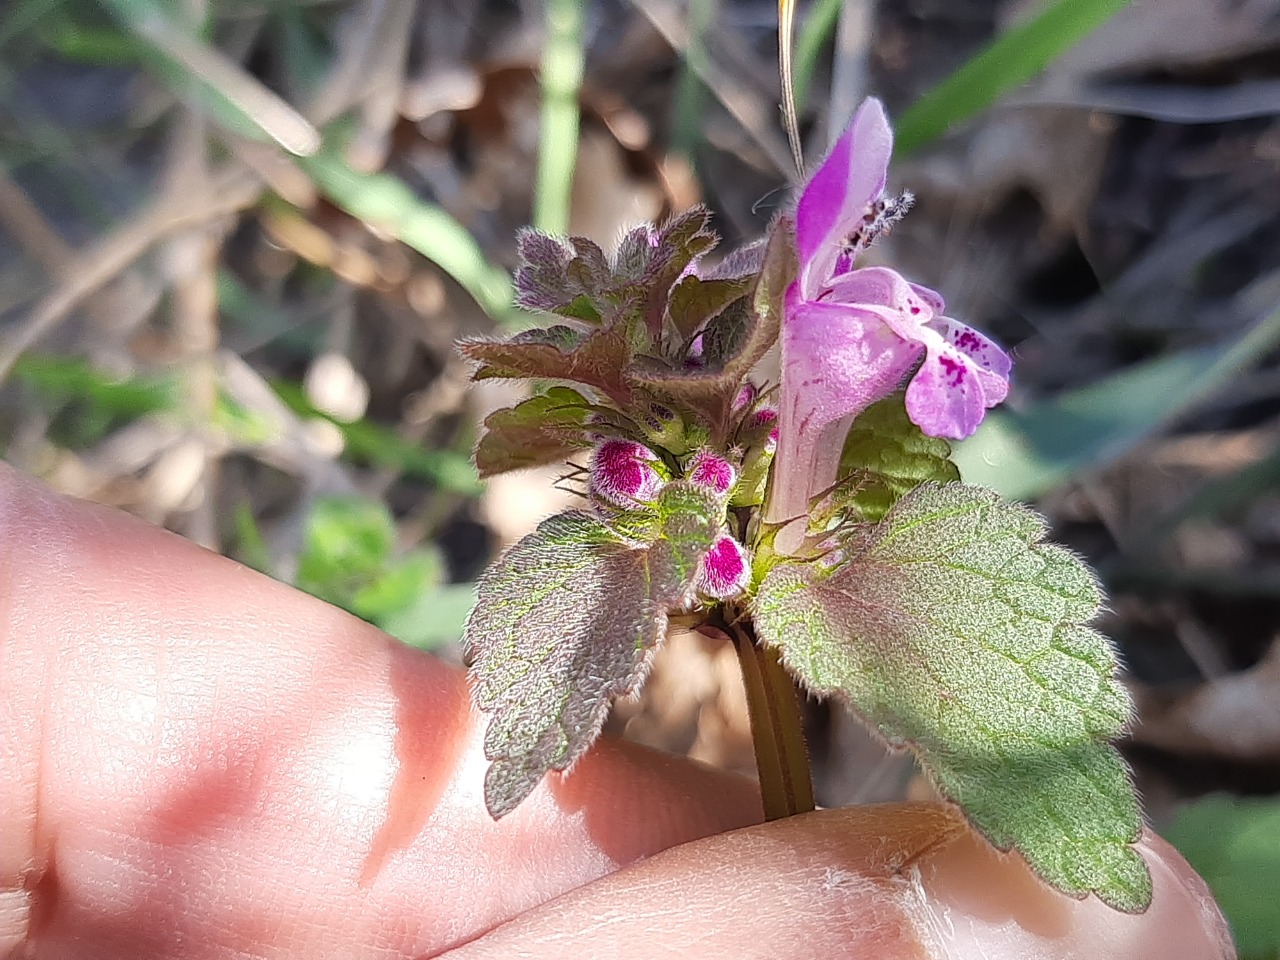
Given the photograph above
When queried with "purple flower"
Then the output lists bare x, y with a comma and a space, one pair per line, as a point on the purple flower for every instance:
850, 336
725, 570
623, 473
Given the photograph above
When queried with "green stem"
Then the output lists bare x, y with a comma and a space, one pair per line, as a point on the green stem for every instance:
782, 759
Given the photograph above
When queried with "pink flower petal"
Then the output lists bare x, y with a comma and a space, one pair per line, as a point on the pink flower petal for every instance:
839, 192
837, 358
882, 287
976, 346
962, 376
931, 297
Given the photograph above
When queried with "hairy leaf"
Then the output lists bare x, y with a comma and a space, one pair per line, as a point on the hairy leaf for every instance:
565, 622
694, 301
886, 455
596, 359
956, 631
734, 341
536, 432
777, 272
561, 276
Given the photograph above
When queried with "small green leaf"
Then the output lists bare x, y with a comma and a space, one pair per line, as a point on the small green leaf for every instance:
564, 623
694, 301
347, 542
887, 456
957, 632
1234, 844
398, 585
433, 618
541, 430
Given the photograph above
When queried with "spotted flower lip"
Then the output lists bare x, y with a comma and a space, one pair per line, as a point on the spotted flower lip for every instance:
851, 336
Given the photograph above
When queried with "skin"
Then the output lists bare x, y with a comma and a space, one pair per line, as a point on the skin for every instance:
198, 762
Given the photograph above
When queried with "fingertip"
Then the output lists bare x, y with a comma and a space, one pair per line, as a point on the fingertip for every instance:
978, 902
889, 881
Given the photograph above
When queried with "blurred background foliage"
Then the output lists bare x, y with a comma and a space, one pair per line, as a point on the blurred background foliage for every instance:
239, 237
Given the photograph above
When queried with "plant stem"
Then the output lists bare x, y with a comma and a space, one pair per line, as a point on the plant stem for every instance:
781, 756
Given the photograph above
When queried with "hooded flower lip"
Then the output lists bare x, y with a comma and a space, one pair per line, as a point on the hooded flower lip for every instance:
850, 336
623, 473
725, 571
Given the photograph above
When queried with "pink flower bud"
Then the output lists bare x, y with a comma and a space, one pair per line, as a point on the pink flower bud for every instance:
712, 471
622, 473
765, 417
746, 397
725, 571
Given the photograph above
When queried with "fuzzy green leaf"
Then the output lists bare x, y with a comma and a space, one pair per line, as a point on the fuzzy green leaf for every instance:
694, 301
957, 632
565, 622
541, 430
886, 456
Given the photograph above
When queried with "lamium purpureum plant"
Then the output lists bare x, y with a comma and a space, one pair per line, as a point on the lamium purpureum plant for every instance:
818, 524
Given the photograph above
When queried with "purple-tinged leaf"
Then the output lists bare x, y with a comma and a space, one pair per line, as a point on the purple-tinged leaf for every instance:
565, 622
537, 432
695, 301
564, 276
596, 359
954, 630
744, 263
733, 343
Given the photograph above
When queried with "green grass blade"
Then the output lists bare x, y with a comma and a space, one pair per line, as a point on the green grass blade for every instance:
212, 81
378, 445
1012, 58
562, 69
386, 202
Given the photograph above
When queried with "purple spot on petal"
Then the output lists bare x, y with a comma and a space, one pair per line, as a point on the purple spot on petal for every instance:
954, 370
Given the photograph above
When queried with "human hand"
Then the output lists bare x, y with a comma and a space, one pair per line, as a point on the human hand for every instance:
198, 762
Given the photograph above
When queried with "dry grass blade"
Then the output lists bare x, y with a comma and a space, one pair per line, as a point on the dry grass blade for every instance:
229, 192
208, 66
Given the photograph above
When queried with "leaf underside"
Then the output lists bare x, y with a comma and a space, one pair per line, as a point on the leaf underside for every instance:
958, 633
542, 430
886, 456
564, 623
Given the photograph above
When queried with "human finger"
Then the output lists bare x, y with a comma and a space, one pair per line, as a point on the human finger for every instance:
893, 881
198, 761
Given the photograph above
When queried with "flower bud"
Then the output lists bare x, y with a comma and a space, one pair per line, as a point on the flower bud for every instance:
746, 396
725, 572
625, 473
764, 423
712, 471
